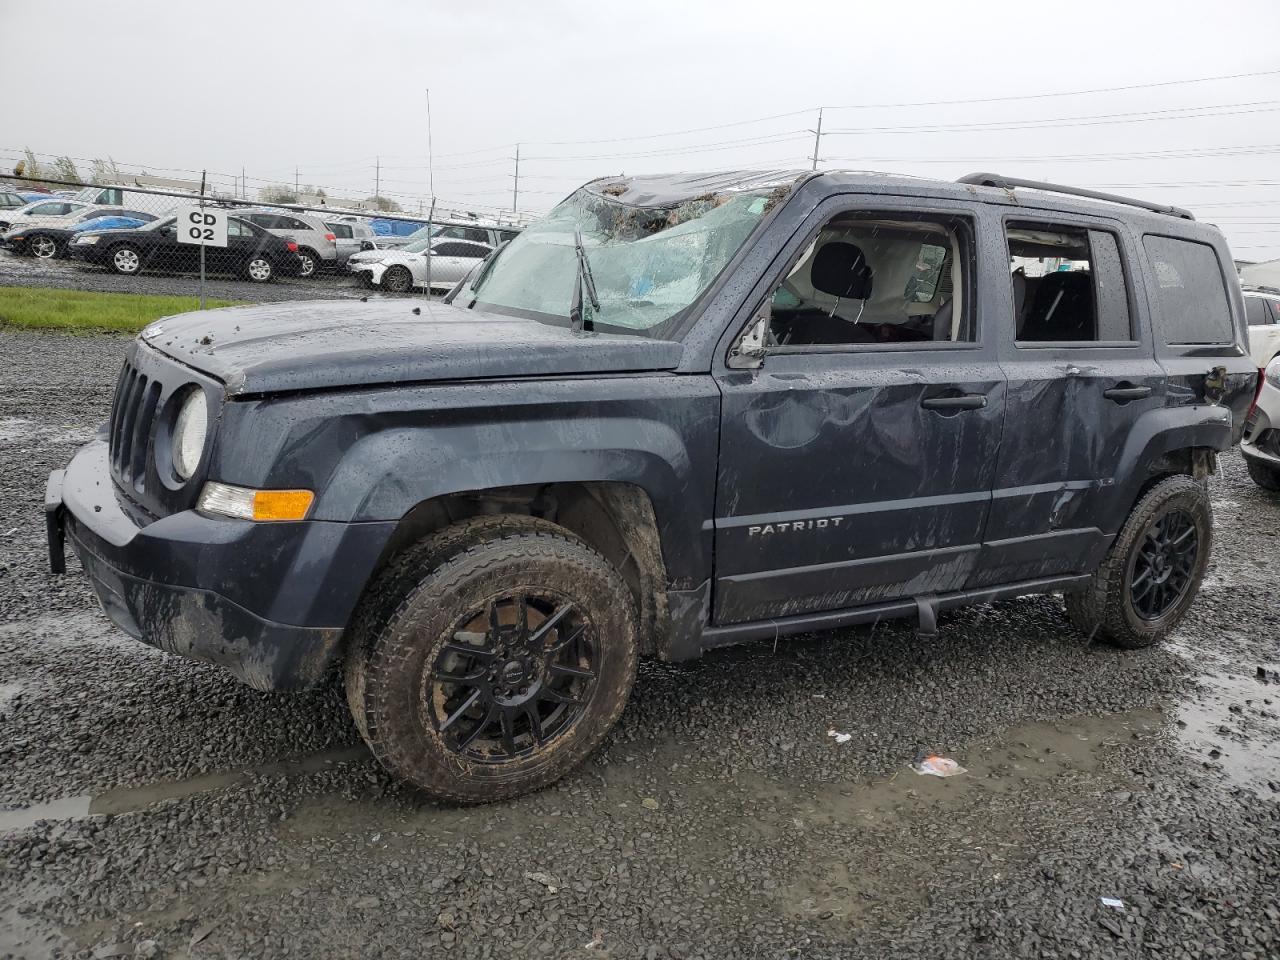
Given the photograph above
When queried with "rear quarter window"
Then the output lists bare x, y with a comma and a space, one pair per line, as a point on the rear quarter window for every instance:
1191, 295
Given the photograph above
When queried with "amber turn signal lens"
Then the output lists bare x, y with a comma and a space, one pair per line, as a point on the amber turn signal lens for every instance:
281, 504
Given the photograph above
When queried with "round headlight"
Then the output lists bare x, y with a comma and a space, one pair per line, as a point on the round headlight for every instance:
189, 433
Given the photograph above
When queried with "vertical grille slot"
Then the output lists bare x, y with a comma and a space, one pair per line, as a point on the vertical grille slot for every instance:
141, 442
124, 455
120, 414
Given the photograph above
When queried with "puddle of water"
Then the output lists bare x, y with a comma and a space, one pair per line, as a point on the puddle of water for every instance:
135, 799
9, 692
1233, 729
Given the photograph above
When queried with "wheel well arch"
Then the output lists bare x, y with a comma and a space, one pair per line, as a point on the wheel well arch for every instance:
1197, 462
615, 518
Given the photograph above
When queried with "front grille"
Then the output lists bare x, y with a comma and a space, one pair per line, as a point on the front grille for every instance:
133, 415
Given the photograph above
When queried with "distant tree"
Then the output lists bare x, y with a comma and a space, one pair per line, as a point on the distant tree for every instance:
385, 204
64, 168
277, 193
106, 171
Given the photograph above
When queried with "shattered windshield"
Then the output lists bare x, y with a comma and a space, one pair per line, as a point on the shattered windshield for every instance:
649, 263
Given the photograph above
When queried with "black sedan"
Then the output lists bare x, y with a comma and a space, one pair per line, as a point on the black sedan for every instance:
47, 241
250, 252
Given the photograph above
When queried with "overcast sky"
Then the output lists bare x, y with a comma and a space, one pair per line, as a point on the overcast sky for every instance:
327, 87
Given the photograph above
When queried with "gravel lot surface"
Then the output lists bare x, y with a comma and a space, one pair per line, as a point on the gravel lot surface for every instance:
189, 816
16, 271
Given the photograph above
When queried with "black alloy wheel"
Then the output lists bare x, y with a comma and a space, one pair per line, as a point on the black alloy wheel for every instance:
514, 678
1163, 563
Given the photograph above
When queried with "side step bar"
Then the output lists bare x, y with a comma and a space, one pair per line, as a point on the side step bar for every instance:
923, 608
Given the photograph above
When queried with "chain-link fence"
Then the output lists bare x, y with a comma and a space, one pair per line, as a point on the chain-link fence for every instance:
129, 236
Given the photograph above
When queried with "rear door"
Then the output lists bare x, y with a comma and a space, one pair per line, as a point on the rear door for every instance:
1198, 317
1081, 371
856, 462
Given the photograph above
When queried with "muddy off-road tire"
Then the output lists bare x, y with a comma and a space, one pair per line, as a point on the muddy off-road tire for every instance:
1264, 475
491, 659
1152, 572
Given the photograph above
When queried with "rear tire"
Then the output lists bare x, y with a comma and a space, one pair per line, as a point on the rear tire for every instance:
522, 708
1263, 474
43, 247
259, 269
1151, 574
310, 262
397, 280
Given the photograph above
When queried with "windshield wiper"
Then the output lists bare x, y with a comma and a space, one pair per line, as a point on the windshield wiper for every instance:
483, 272
582, 279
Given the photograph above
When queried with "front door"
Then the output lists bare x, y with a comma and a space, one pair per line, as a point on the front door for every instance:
1081, 374
857, 461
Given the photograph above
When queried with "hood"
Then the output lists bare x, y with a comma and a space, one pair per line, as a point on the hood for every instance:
315, 345
377, 256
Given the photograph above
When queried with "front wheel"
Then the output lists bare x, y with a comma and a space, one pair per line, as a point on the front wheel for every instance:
1263, 474
496, 666
397, 280
126, 259
1152, 572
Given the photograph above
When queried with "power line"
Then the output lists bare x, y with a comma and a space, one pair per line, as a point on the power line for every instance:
1101, 119
1066, 93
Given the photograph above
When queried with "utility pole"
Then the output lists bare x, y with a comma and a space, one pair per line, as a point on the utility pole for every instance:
244, 186
817, 140
377, 176
431, 165
515, 187
295, 184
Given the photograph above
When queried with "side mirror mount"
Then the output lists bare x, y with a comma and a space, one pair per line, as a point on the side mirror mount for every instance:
749, 352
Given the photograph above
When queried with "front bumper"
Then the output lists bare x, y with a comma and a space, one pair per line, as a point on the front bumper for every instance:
267, 601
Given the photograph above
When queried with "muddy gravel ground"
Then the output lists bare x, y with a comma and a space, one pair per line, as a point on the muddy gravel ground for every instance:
154, 807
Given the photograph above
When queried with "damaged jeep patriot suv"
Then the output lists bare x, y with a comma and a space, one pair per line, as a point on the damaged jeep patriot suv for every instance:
678, 413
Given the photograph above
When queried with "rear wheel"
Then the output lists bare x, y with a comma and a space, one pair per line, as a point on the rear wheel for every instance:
1263, 474
1152, 572
310, 262
125, 259
43, 246
259, 269
492, 659
397, 280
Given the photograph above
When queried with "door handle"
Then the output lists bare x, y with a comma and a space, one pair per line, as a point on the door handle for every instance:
1125, 394
966, 401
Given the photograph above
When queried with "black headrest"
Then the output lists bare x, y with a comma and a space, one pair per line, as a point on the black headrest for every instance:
840, 269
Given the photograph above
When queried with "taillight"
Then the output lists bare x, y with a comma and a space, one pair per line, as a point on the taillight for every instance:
331, 237
293, 247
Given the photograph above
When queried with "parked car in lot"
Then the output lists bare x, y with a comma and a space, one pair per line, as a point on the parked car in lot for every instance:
46, 242
251, 252
350, 237
10, 201
493, 236
43, 213
678, 413
1261, 443
317, 244
399, 271
1262, 309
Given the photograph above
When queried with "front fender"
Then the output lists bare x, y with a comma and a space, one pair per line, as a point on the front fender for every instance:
375, 455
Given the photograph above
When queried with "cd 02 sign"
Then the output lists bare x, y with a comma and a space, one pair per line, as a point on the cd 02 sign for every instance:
202, 226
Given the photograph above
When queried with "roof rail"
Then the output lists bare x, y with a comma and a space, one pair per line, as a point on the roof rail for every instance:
1008, 183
